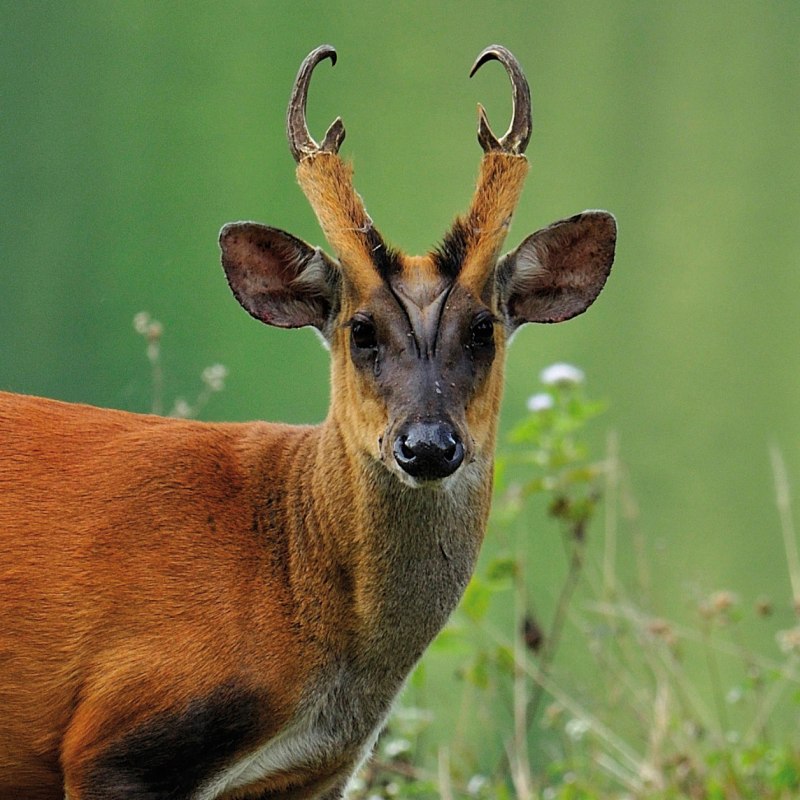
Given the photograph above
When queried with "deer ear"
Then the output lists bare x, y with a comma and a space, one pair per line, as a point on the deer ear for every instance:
278, 278
557, 272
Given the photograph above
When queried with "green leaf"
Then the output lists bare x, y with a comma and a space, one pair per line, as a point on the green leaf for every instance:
502, 568
477, 673
504, 657
476, 600
451, 641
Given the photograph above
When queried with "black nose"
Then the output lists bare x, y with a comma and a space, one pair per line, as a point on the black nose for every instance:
428, 450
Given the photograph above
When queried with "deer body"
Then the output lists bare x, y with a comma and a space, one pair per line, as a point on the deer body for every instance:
196, 611
331, 625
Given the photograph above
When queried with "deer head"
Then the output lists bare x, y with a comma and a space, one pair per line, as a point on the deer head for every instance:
417, 342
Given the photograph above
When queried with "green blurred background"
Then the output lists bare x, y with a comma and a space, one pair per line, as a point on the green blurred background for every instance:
131, 131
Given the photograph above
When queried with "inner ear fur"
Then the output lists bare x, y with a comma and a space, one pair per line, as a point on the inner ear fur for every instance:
557, 272
278, 278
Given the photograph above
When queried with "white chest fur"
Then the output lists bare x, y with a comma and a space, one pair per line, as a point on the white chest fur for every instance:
296, 745
319, 734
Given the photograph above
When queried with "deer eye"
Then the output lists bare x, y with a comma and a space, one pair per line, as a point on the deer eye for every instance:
482, 331
362, 334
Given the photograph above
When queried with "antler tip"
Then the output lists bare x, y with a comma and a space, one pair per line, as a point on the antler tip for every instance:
322, 52
488, 141
490, 53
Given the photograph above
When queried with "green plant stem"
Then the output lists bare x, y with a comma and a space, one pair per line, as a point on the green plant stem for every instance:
443, 772
520, 763
783, 501
526, 711
611, 473
553, 638
156, 377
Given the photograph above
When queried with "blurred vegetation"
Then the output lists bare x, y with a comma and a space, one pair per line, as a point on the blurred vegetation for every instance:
133, 130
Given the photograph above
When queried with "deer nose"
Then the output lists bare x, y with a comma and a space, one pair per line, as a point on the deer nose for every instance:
428, 450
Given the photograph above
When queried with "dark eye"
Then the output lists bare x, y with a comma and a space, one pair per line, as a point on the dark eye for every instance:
482, 332
362, 332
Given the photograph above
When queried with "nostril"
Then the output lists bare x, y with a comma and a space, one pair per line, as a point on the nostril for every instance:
450, 449
455, 455
406, 451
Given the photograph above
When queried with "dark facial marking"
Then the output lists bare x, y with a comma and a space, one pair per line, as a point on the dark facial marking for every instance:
384, 258
442, 309
418, 345
170, 756
450, 254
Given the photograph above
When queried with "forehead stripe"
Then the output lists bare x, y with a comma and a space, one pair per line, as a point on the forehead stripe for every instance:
383, 257
450, 255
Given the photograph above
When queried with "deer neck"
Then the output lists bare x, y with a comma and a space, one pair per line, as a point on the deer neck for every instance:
394, 560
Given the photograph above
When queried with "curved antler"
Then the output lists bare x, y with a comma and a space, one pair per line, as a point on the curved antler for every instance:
516, 138
327, 182
472, 246
300, 141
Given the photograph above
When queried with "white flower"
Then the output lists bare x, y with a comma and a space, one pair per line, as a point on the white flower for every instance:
141, 322
356, 784
789, 641
182, 409
476, 785
734, 695
150, 328
576, 729
561, 375
214, 377
396, 747
540, 402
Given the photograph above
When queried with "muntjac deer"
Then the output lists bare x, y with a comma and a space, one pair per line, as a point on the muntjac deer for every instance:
196, 611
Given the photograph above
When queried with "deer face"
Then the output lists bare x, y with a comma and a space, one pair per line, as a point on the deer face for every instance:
422, 349
417, 343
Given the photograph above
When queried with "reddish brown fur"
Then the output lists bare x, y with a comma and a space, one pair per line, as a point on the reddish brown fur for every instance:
130, 521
